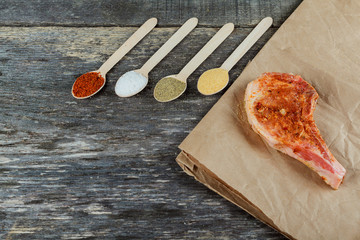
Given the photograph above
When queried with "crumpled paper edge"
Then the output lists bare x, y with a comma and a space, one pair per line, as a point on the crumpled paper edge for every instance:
194, 168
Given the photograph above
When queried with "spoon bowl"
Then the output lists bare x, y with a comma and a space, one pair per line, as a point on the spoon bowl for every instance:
94, 79
131, 83
213, 81
169, 88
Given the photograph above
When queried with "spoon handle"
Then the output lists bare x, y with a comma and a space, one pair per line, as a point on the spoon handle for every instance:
174, 40
209, 47
128, 45
249, 41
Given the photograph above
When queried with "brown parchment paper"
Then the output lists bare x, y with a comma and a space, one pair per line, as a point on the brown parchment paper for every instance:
321, 42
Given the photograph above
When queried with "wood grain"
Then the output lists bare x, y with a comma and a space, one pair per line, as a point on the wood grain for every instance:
104, 168
212, 13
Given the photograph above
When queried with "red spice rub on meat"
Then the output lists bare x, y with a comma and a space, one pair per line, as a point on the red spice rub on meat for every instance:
280, 108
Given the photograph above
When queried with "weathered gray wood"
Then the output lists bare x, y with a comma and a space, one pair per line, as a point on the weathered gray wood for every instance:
242, 13
105, 167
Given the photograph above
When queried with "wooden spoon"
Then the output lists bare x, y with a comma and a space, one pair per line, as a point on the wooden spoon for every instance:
214, 80
135, 81
121, 52
175, 85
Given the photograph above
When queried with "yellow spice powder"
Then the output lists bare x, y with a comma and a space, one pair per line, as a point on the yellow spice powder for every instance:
213, 81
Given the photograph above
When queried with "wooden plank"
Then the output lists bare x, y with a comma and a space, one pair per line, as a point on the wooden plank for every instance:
105, 167
214, 13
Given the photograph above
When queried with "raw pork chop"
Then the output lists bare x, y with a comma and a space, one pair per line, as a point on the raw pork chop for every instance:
280, 108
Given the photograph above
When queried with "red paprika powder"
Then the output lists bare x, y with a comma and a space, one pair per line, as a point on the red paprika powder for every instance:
87, 84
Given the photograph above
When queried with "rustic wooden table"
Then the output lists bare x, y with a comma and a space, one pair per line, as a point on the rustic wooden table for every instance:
104, 168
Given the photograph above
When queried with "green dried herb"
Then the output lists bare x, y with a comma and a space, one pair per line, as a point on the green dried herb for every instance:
168, 89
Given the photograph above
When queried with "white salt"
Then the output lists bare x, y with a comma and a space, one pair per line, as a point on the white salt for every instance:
130, 84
